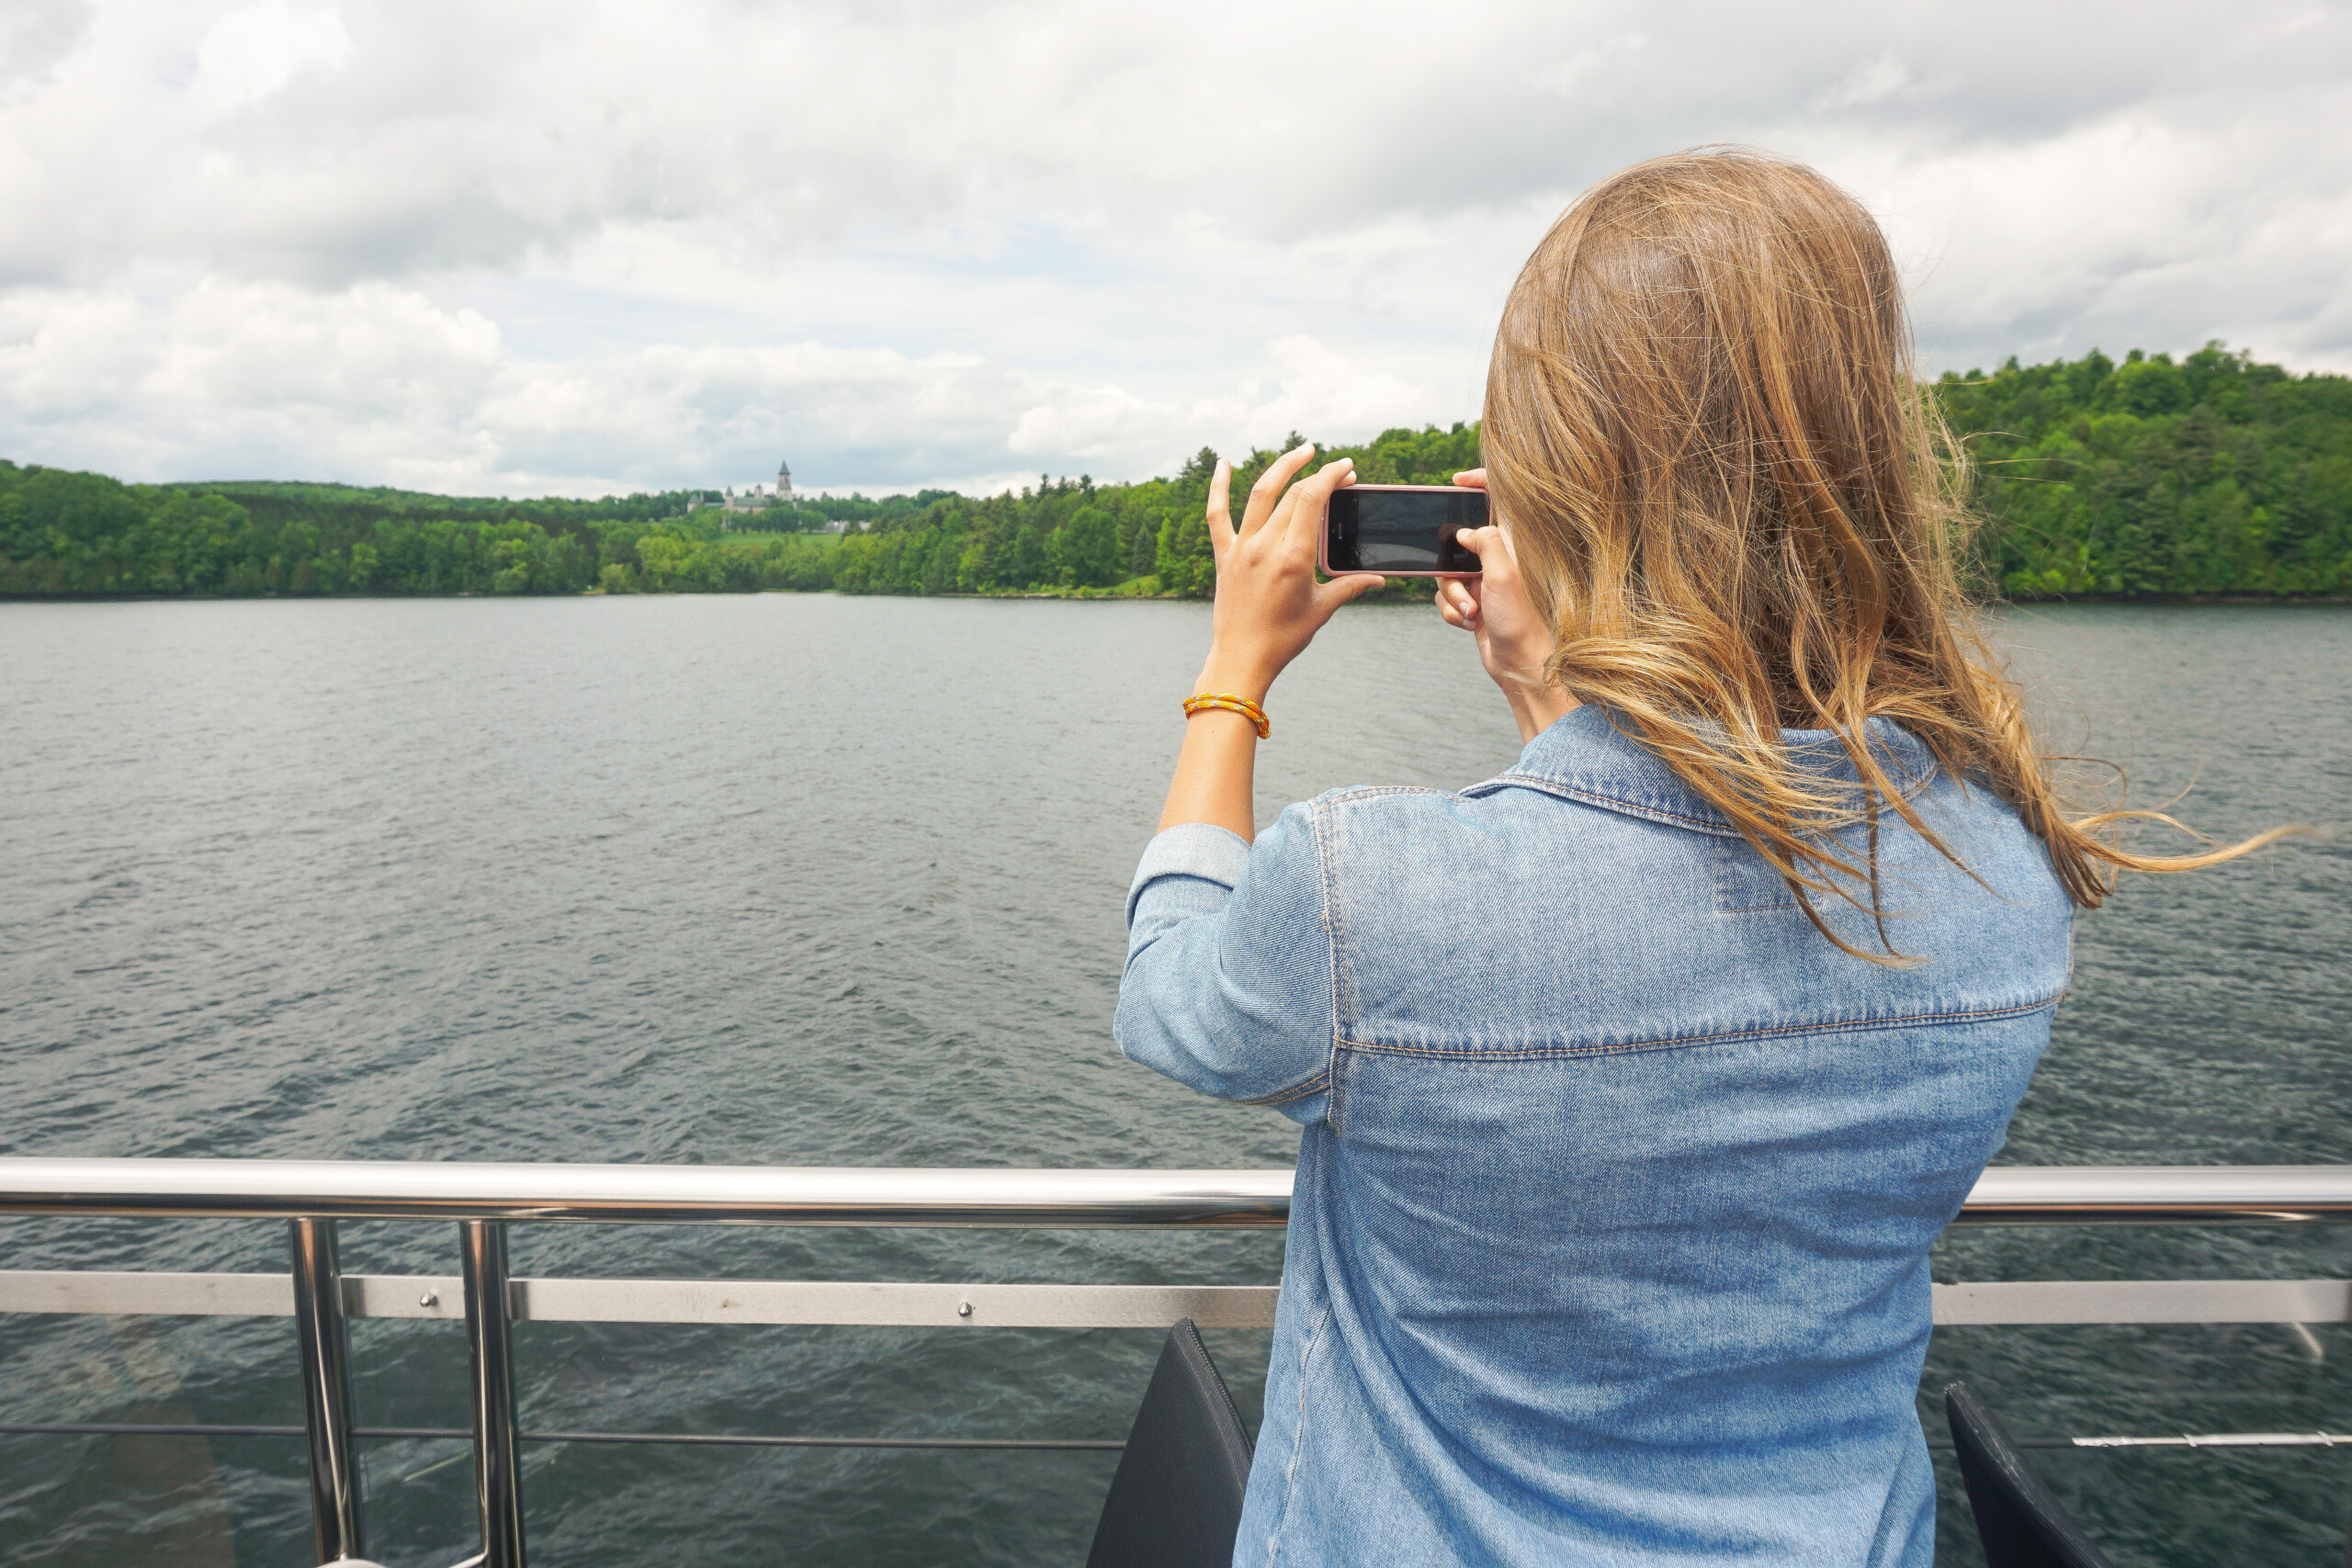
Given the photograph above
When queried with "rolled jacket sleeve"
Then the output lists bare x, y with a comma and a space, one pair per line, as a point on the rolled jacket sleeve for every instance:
1227, 986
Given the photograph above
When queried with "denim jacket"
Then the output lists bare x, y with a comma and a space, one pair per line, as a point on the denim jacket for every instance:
1610, 1238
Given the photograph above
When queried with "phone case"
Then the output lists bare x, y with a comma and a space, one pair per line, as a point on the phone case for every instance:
1323, 542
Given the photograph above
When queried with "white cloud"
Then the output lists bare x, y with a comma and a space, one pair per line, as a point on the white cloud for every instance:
250, 54
561, 244
2134, 230
371, 383
1088, 421
378, 384
1318, 390
1590, 69
1871, 81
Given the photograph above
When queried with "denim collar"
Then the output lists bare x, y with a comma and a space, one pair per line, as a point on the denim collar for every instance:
1588, 755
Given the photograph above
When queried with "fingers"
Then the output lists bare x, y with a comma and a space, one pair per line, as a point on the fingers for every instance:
1457, 601
1496, 561
1310, 502
1471, 479
1221, 507
1268, 488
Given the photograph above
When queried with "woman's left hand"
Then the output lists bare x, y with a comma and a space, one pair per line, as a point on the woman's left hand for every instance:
1269, 605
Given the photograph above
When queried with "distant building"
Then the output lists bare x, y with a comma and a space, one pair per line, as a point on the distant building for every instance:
759, 498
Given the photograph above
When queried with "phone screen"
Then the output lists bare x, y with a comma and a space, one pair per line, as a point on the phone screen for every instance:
1402, 530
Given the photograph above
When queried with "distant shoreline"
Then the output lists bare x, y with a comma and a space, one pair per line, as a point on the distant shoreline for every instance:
2212, 480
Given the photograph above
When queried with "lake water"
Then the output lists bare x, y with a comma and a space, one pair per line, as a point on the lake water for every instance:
811, 880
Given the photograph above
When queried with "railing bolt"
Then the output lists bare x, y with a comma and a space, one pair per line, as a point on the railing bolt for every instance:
428, 1300
964, 1311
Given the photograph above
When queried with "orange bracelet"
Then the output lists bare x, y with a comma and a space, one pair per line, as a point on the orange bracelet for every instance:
1202, 701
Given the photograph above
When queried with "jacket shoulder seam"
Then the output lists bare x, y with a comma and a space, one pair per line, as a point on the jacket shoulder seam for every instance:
1671, 817
1374, 792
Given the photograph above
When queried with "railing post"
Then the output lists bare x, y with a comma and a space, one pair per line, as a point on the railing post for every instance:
326, 1340
489, 1336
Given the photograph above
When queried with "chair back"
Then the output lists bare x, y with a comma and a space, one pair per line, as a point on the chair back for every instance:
1176, 1500
2021, 1523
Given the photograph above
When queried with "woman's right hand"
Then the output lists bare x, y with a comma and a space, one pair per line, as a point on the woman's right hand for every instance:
1514, 643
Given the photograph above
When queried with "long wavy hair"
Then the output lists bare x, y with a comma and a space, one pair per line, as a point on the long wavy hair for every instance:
1738, 509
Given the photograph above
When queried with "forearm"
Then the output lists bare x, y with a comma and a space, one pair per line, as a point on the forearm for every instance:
1215, 773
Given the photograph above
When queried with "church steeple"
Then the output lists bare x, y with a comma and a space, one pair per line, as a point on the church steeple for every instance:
783, 479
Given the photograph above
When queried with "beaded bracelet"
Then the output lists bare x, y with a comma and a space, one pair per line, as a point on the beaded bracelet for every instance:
1231, 703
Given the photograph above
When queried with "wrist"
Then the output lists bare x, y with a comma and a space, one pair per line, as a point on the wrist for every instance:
1241, 678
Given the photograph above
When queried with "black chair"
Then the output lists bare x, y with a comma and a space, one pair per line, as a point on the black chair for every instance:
2021, 1525
1176, 1500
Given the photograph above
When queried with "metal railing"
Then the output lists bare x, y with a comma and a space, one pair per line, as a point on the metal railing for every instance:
483, 1198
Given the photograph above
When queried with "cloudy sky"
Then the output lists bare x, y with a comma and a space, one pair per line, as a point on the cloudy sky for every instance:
589, 245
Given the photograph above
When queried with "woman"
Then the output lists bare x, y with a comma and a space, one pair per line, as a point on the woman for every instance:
1638, 1082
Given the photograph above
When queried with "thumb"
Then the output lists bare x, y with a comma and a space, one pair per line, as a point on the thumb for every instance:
1496, 562
1480, 541
1344, 590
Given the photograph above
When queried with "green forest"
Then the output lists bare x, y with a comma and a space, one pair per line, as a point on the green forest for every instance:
2211, 474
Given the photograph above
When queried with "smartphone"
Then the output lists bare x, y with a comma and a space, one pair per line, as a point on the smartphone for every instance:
1402, 530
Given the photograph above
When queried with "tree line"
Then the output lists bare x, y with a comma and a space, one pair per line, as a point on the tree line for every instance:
63, 533
2213, 475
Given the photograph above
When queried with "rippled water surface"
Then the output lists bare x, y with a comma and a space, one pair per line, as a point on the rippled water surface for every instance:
809, 880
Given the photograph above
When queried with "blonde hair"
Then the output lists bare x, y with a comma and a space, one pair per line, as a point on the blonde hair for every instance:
1738, 509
